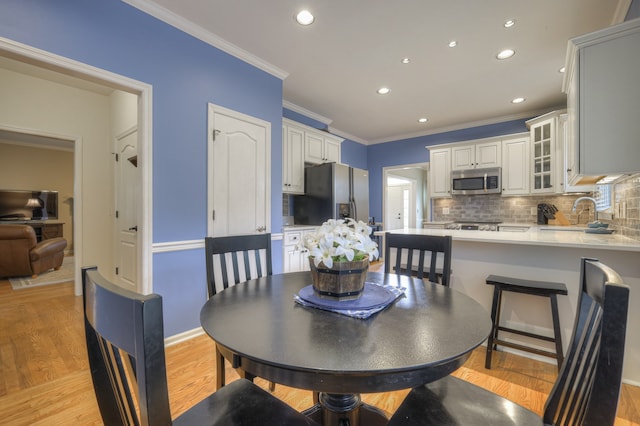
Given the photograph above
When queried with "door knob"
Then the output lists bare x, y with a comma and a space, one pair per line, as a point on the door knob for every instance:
133, 228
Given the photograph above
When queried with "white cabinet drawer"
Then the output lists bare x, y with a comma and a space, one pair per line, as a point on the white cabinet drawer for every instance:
292, 237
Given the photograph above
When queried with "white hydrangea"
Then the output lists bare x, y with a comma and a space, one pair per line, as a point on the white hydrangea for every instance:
339, 240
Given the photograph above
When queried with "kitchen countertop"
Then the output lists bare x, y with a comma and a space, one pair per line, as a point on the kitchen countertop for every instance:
557, 236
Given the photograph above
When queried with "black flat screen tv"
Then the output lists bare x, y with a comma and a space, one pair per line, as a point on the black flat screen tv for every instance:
28, 204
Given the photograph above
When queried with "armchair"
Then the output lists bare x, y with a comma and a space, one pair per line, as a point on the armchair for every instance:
22, 255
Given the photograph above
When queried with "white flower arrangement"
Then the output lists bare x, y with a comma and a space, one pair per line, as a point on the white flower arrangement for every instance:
339, 240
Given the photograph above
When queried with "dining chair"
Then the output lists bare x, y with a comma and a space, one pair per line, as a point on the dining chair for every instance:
586, 390
429, 248
125, 342
230, 260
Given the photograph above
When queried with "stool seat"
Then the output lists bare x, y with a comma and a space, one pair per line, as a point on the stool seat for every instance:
535, 288
520, 285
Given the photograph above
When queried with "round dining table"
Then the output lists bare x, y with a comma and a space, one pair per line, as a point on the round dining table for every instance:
424, 335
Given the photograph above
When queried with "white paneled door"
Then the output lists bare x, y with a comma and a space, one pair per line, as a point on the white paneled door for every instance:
395, 214
127, 207
239, 183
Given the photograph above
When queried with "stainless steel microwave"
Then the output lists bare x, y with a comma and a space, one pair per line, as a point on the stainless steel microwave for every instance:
476, 181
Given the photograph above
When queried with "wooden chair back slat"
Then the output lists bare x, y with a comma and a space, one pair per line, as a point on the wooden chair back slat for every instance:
125, 342
225, 254
588, 385
429, 249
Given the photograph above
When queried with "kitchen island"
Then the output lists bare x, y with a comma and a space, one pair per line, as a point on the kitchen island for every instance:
545, 254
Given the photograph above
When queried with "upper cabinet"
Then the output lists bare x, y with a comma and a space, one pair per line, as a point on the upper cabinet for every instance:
440, 172
321, 147
515, 165
543, 153
303, 144
603, 100
476, 156
292, 159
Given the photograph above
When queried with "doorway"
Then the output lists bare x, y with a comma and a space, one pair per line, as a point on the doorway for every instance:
405, 196
26, 60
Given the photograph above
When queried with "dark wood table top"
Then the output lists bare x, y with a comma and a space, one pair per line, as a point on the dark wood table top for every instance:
426, 334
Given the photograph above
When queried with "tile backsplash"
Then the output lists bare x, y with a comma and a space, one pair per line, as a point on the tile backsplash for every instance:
508, 209
626, 219
626, 210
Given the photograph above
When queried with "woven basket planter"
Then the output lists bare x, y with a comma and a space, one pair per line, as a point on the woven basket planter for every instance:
344, 281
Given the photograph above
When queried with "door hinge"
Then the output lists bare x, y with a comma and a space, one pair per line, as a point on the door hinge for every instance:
117, 214
213, 215
117, 270
117, 157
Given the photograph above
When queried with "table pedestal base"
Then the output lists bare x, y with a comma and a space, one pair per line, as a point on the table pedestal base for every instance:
345, 410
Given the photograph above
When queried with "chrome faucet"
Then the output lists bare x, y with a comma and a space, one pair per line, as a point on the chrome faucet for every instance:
595, 205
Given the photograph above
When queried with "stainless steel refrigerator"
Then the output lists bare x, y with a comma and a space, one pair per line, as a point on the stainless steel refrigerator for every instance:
332, 191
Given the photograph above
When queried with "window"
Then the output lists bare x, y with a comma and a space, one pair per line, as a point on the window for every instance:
603, 195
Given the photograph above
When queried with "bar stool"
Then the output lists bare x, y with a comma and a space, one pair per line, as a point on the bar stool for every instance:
536, 288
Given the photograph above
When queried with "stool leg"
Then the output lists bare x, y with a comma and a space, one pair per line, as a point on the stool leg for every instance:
557, 334
495, 320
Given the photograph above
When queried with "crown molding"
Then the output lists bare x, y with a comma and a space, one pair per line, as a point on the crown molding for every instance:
208, 37
307, 113
621, 11
469, 125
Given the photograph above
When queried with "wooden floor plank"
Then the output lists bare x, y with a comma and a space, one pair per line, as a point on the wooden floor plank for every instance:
44, 377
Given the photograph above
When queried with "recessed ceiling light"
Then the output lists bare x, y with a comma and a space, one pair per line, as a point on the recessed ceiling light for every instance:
505, 54
509, 23
561, 70
405, 60
304, 17
383, 90
423, 120
453, 43
518, 100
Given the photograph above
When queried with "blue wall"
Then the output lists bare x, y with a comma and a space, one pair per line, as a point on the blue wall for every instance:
186, 74
634, 10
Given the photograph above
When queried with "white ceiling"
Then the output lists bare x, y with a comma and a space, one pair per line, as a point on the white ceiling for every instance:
334, 67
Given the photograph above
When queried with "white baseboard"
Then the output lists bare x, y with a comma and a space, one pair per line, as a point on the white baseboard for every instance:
183, 337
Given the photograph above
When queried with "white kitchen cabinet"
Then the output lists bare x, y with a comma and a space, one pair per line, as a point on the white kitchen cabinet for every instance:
565, 156
551, 154
603, 99
515, 165
321, 147
295, 259
440, 172
544, 171
476, 156
292, 159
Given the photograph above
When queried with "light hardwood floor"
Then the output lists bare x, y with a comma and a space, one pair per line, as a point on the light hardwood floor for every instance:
44, 377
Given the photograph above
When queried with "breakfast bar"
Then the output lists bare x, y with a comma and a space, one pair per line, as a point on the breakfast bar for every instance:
543, 254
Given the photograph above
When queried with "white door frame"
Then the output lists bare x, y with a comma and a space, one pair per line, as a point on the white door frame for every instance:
50, 61
386, 171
